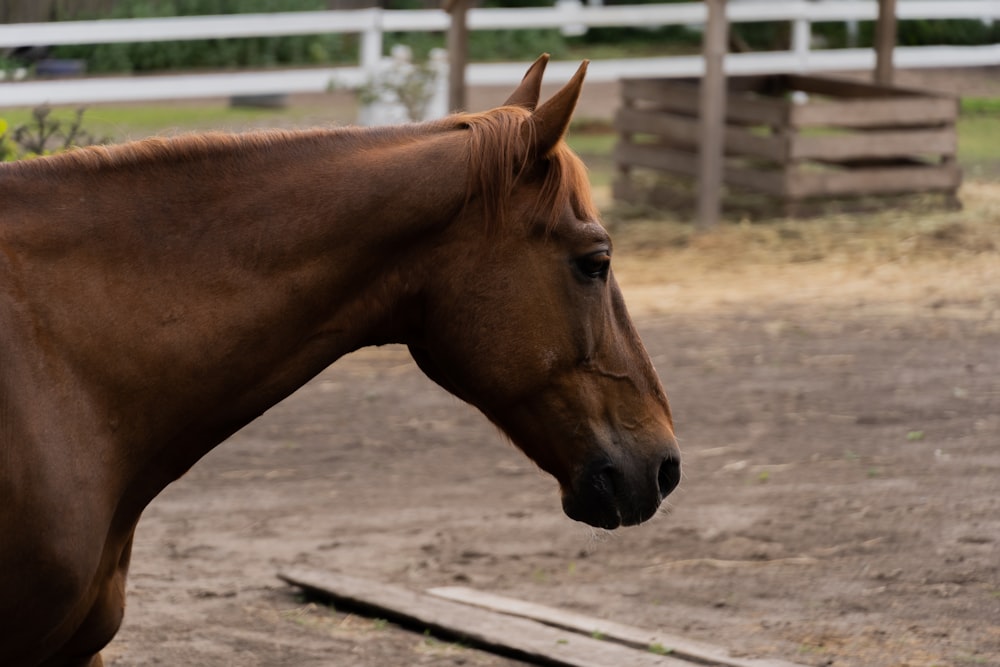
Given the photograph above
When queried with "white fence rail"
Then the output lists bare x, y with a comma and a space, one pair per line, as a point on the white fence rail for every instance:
371, 24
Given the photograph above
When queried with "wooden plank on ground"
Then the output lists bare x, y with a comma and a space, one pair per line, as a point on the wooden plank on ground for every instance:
517, 637
685, 649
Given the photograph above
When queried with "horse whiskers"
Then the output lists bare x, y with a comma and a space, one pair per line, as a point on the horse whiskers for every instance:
665, 509
598, 535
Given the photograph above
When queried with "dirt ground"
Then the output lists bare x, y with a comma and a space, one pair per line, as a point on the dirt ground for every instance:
836, 388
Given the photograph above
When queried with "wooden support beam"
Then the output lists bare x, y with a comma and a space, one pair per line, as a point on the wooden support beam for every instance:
712, 114
885, 42
458, 52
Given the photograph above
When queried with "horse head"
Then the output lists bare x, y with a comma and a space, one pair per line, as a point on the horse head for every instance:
529, 325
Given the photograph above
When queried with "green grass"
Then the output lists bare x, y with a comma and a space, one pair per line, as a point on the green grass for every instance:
597, 144
979, 140
660, 649
134, 122
153, 119
127, 122
981, 105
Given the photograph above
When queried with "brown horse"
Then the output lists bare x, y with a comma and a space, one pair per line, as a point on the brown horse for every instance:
157, 296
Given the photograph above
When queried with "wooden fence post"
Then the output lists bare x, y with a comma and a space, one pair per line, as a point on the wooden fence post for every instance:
458, 52
885, 42
712, 115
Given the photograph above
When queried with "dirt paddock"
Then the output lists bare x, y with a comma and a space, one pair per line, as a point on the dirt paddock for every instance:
836, 389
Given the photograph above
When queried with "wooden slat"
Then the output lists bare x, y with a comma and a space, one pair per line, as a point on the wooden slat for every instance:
651, 156
858, 182
772, 182
875, 113
759, 111
662, 94
834, 87
518, 637
686, 649
682, 97
656, 157
876, 144
682, 131
756, 83
741, 141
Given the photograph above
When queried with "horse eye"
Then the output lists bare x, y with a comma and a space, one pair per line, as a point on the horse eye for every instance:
595, 265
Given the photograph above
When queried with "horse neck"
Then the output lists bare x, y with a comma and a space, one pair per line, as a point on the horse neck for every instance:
189, 296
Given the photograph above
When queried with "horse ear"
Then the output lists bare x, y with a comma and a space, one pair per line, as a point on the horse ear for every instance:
530, 87
551, 119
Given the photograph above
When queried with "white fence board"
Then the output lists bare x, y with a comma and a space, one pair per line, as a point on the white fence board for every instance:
372, 23
353, 21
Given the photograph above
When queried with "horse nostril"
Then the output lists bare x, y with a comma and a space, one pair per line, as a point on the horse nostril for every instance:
603, 479
669, 476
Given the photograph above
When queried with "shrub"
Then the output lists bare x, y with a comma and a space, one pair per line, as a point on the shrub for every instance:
210, 53
6, 145
43, 134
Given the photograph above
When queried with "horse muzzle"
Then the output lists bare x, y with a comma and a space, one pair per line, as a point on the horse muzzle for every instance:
607, 494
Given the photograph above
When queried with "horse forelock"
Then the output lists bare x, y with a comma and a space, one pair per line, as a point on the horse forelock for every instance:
500, 156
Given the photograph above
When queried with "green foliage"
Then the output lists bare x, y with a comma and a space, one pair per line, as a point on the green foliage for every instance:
653, 39
961, 32
490, 45
766, 36
958, 32
211, 53
487, 45
43, 134
6, 145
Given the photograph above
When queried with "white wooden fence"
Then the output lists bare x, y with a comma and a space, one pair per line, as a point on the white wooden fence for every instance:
372, 24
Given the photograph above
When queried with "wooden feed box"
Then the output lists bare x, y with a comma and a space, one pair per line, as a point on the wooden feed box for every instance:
795, 138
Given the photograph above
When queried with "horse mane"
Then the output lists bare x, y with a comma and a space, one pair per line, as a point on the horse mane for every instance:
498, 154
158, 150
